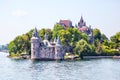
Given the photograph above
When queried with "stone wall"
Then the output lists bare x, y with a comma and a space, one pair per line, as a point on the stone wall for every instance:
46, 53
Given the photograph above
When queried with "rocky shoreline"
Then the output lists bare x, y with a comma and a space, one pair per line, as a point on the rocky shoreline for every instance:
67, 57
19, 57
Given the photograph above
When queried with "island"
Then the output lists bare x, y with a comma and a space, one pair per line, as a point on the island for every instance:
65, 41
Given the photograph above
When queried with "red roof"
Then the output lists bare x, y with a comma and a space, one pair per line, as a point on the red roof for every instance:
83, 29
67, 23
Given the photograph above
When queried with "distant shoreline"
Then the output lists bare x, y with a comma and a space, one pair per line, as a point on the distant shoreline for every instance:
4, 51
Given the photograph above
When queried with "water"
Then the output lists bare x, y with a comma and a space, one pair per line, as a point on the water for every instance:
101, 69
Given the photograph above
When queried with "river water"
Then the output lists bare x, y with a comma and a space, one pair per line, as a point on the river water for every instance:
95, 69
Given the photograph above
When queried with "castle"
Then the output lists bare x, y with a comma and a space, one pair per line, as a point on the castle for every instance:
81, 26
45, 50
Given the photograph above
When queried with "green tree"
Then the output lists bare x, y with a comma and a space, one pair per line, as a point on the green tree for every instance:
85, 37
83, 48
115, 38
97, 33
12, 47
75, 35
21, 44
43, 31
25, 44
65, 37
104, 37
49, 33
29, 33
56, 29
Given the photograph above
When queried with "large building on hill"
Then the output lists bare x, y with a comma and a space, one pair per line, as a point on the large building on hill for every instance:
81, 23
81, 26
45, 50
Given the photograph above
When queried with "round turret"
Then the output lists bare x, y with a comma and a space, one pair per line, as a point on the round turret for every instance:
35, 44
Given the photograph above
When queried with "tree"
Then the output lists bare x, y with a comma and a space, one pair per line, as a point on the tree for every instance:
111, 47
85, 37
43, 31
25, 44
75, 35
49, 33
65, 37
97, 33
12, 47
104, 37
29, 34
115, 38
21, 44
56, 29
83, 48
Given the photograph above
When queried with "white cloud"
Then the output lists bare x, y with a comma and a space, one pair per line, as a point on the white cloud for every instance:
19, 13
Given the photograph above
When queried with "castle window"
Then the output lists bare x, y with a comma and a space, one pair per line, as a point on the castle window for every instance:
40, 44
46, 43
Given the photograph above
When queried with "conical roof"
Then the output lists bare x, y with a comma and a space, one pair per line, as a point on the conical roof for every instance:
81, 19
35, 33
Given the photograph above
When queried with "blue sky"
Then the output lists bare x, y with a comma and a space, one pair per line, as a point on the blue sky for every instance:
19, 16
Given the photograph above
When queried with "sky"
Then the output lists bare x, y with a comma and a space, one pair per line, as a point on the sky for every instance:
19, 16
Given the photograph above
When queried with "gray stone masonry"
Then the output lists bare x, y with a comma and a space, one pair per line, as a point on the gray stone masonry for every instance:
45, 50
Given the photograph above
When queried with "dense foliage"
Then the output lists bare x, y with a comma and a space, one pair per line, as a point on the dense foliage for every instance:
75, 42
21, 44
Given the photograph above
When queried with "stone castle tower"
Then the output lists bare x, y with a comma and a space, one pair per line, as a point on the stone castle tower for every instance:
45, 50
81, 23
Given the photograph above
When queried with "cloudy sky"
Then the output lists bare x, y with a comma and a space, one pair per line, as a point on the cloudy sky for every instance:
19, 16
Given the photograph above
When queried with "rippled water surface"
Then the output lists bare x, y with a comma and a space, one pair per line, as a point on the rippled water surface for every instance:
101, 69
